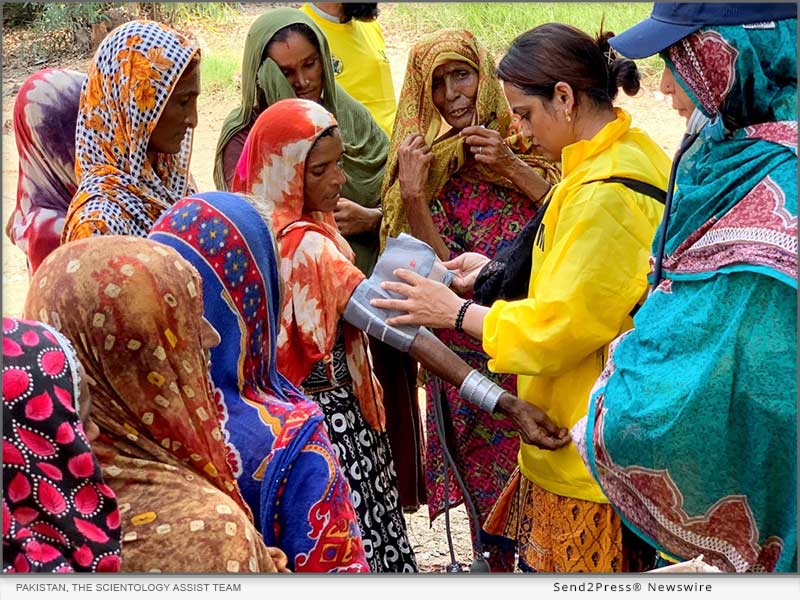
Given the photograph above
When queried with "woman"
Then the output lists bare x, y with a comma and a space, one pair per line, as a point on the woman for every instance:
58, 515
709, 373
462, 191
589, 267
329, 359
138, 111
46, 182
277, 445
285, 56
321, 345
133, 310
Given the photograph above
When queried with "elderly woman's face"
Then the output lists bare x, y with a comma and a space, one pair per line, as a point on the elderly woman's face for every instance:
455, 87
680, 99
300, 63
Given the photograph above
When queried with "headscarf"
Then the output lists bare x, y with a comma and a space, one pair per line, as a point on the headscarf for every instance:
266, 422
58, 515
692, 427
416, 114
131, 78
133, 310
365, 143
317, 263
744, 78
45, 113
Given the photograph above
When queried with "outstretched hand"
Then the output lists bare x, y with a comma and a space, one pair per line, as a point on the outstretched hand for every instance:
427, 302
534, 426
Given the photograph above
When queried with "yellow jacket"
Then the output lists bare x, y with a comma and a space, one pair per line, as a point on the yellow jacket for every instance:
590, 265
360, 64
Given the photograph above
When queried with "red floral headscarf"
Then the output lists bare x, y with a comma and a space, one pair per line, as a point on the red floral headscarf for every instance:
317, 265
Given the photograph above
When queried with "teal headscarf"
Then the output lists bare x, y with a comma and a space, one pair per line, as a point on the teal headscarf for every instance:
692, 428
744, 78
366, 144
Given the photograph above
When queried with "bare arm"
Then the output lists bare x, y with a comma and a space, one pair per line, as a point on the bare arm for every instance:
420, 220
414, 160
533, 424
528, 181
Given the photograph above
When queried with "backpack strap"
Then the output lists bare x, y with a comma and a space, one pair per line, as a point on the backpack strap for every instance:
641, 187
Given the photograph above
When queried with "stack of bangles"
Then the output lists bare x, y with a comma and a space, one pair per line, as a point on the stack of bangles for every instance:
476, 388
481, 391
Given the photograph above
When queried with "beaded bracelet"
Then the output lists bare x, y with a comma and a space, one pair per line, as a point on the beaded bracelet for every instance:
462, 312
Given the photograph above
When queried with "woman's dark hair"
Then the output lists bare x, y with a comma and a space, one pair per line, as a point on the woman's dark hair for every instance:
327, 133
300, 28
360, 11
545, 55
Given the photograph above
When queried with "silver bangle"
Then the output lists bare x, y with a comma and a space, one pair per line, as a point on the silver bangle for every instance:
481, 391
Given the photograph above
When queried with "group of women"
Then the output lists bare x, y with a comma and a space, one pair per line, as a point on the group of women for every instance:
194, 367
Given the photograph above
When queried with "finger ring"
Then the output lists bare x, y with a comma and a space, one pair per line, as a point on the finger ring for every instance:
480, 149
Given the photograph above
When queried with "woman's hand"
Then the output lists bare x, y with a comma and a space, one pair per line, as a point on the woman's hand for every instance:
414, 158
534, 426
279, 558
352, 218
428, 303
490, 149
465, 268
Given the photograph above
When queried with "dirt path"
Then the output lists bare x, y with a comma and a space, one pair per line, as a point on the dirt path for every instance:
649, 109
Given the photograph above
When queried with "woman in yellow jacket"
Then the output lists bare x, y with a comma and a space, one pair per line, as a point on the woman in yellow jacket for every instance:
590, 260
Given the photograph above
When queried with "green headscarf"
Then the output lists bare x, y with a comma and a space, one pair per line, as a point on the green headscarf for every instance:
365, 143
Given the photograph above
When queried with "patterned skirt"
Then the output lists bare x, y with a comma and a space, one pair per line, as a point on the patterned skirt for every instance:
557, 534
366, 460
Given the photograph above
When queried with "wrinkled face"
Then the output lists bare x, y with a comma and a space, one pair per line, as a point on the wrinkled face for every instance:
540, 122
454, 88
324, 174
301, 64
680, 99
179, 114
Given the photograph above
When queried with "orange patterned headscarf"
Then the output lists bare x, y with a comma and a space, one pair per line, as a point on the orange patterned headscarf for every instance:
416, 114
133, 310
317, 263
131, 78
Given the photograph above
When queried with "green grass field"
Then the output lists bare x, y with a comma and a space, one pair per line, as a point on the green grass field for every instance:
497, 24
218, 71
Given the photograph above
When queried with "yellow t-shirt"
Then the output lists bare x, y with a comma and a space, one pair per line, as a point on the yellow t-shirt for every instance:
360, 65
589, 269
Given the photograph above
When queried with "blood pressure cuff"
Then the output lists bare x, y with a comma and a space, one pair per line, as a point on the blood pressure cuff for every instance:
404, 252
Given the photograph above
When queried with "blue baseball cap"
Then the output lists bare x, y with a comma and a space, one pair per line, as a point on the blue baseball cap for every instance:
671, 22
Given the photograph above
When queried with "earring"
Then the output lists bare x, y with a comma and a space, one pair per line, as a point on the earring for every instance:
566, 114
